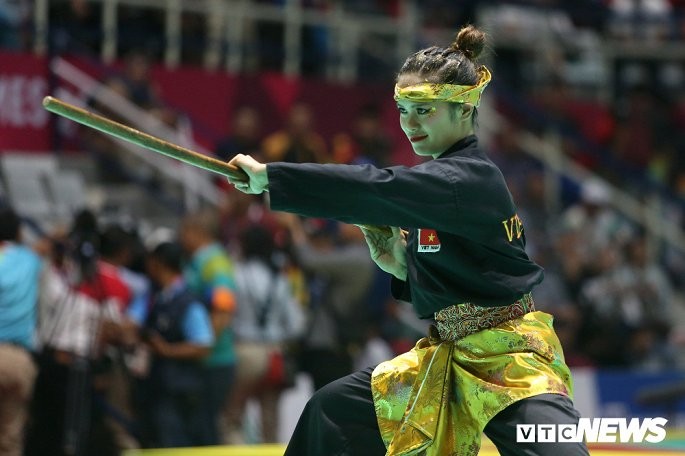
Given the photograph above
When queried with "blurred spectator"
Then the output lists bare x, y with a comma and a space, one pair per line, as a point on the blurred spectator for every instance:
137, 80
112, 165
97, 276
13, 13
20, 270
116, 250
567, 324
594, 220
238, 211
586, 244
571, 262
179, 333
244, 137
342, 271
374, 351
515, 162
267, 320
298, 142
552, 294
648, 308
536, 213
649, 351
401, 327
373, 143
368, 142
82, 301
604, 333
270, 51
75, 27
209, 274
140, 29
629, 310
647, 296
574, 118
193, 37
643, 127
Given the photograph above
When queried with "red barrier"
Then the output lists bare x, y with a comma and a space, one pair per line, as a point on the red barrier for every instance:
24, 124
208, 98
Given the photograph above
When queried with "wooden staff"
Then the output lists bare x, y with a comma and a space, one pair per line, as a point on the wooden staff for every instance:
126, 133
110, 127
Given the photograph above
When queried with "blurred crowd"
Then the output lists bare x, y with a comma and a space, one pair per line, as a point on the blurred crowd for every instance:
160, 338
160, 341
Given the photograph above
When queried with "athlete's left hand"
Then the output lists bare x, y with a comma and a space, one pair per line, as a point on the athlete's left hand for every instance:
387, 246
257, 180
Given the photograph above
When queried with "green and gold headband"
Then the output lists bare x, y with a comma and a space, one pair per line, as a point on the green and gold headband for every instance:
427, 92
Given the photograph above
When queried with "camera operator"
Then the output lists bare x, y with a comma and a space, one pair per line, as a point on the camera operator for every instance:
179, 333
80, 313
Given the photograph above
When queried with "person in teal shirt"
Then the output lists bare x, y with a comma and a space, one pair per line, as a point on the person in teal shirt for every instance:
209, 274
20, 270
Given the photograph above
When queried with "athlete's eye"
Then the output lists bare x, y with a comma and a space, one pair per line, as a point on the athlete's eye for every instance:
401, 109
424, 111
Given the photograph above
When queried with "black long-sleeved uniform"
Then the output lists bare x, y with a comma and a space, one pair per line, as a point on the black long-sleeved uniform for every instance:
465, 243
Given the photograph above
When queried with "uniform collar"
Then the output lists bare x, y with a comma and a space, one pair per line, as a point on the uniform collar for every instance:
464, 146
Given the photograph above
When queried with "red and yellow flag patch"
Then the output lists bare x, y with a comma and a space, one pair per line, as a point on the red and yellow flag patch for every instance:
428, 240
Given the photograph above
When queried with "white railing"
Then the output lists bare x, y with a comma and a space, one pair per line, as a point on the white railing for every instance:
229, 23
648, 213
196, 184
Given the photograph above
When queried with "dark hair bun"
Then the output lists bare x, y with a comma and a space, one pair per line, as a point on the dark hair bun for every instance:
470, 41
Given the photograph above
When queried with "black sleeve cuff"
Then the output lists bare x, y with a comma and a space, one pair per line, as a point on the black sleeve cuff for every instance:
400, 289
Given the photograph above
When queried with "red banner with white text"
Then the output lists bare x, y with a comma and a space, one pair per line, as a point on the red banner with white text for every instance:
208, 98
24, 124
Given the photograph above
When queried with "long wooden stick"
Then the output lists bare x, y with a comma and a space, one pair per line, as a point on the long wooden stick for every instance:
110, 127
126, 133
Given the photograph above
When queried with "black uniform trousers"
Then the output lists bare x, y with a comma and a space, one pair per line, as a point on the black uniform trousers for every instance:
340, 420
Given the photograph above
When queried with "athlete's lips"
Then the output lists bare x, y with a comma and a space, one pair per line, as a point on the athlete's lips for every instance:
417, 138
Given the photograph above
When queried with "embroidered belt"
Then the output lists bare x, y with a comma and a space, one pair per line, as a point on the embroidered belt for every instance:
460, 320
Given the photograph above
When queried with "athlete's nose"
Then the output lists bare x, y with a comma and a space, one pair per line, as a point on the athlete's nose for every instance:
411, 124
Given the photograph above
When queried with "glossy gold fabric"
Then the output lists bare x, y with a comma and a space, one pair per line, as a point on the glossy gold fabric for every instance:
428, 92
440, 395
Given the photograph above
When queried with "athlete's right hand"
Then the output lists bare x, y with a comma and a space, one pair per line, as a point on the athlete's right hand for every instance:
255, 180
387, 246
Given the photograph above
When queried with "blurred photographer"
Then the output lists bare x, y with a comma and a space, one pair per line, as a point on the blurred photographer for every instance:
179, 333
266, 322
79, 324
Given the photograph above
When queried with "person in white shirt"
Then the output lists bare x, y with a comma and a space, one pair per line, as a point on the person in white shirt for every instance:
268, 318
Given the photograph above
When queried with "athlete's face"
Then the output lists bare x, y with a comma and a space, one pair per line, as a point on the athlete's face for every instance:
432, 127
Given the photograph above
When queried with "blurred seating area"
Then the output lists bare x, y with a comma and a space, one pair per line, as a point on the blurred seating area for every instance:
599, 84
